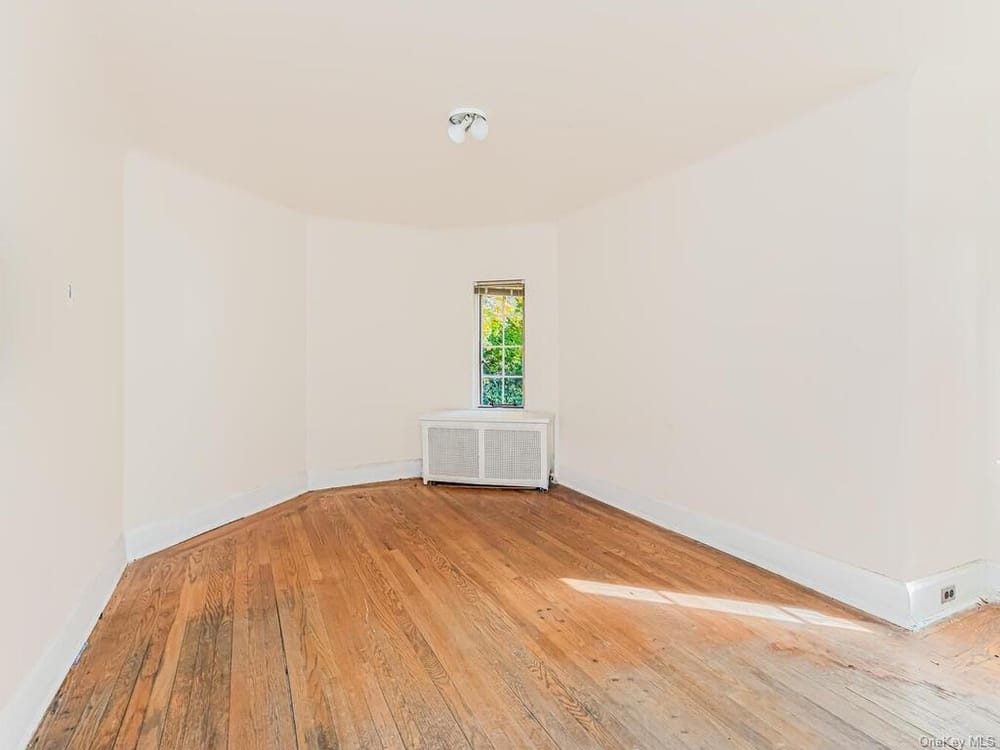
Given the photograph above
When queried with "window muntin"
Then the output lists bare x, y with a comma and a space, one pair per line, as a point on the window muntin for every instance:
501, 343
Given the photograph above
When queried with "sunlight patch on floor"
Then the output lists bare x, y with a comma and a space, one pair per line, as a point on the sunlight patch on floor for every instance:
737, 607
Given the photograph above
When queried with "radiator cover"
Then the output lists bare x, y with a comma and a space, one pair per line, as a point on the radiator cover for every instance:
501, 447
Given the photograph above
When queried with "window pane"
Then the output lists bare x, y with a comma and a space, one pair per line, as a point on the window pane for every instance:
492, 320
493, 361
514, 391
514, 330
492, 392
514, 361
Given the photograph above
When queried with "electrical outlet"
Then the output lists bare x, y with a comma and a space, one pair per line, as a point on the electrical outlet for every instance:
948, 594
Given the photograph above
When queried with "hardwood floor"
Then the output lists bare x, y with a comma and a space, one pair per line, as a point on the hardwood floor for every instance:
404, 616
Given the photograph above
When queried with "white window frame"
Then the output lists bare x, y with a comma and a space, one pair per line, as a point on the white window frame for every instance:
480, 377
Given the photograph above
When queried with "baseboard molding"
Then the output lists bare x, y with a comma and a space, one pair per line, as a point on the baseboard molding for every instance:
910, 605
972, 587
383, 472
31, 698
154, 537
993, 577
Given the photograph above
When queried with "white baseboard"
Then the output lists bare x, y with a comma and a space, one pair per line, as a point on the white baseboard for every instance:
31, 698
910, 605
972, 587
154, 537
993, 579
384, 472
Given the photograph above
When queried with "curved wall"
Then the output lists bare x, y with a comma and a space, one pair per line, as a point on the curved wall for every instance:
267, 352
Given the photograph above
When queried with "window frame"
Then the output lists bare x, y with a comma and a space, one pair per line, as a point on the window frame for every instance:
480, 360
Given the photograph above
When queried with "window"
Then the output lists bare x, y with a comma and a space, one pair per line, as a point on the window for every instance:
501, 343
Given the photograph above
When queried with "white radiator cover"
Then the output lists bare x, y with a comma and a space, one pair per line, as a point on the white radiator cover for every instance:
502, 447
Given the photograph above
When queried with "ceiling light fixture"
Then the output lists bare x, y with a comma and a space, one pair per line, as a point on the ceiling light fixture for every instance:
467, 119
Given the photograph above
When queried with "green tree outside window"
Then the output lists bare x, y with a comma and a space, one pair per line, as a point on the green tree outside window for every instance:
501, 350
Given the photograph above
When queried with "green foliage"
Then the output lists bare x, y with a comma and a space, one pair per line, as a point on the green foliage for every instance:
493, 361
515, 360
514, 391
492, 391
502, 320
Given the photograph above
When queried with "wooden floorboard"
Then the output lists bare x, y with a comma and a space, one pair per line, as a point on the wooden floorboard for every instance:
403, 616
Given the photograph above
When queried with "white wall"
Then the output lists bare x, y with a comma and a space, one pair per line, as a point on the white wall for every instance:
222, 292
953, 246
60, 360
946, 455
214, 352
392, 331
751, 313
990, 321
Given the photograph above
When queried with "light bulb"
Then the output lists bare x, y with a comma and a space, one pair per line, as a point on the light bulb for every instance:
480, 128
456, 131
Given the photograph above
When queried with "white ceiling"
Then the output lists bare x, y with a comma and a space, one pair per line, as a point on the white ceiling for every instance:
340, 108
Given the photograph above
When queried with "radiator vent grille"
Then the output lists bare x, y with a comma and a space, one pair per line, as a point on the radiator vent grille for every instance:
512, 455
494, 448
453, 451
